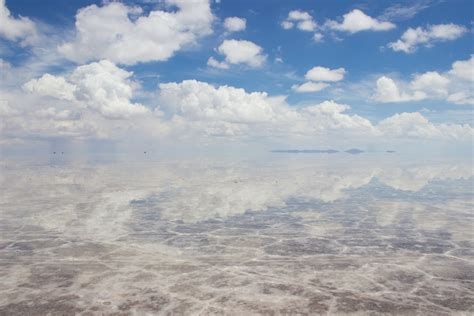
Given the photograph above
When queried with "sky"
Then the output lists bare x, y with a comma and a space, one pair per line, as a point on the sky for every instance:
269, 74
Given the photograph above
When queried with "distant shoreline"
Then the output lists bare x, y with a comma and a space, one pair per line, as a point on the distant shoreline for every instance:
353, 151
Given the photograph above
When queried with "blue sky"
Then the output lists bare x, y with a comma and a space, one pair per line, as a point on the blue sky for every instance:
380, 61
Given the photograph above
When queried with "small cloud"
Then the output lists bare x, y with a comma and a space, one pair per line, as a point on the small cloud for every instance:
307, 25
309, 87
235, 24
317, 79
398, 12
357, 21
242, 52
287, 25
325, 74
303, 20
217, 64
318, 37
279, 60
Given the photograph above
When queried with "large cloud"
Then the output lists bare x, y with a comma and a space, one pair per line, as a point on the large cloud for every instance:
26, 118
464, 69
124, 35
454, 86
417, 126
412, 38
388, 91
431, 83
53, 86
329, 115
197, 100
230, 111
100, 86
16, 29
357, 21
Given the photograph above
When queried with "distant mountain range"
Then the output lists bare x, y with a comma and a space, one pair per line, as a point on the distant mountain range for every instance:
353, 151
306, 151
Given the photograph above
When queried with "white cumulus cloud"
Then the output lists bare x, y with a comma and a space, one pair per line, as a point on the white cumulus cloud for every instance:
302, 19
242, 52
298, 15
197, 100
388, 91
235, 24
53, 86
430, 82
357, 21
417, 126
318, 37
325, 74
230, 111
96, 101
317, 79
217, 64
463, 69
309, 87
462, 97
124, 35
453, 86
329, 115
100, 86
287, 25
16, 28
412, 38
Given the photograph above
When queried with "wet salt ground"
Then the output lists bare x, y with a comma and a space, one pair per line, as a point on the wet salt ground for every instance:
290, 236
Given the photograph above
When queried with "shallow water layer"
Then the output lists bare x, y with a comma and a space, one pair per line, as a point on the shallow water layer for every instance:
290, 234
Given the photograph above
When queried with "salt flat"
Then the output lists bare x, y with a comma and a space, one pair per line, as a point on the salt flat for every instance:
319, 234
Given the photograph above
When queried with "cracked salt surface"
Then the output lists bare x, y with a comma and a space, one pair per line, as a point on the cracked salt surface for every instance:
305, 235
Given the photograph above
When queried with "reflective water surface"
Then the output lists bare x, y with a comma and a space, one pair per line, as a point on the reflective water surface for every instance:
284, 234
